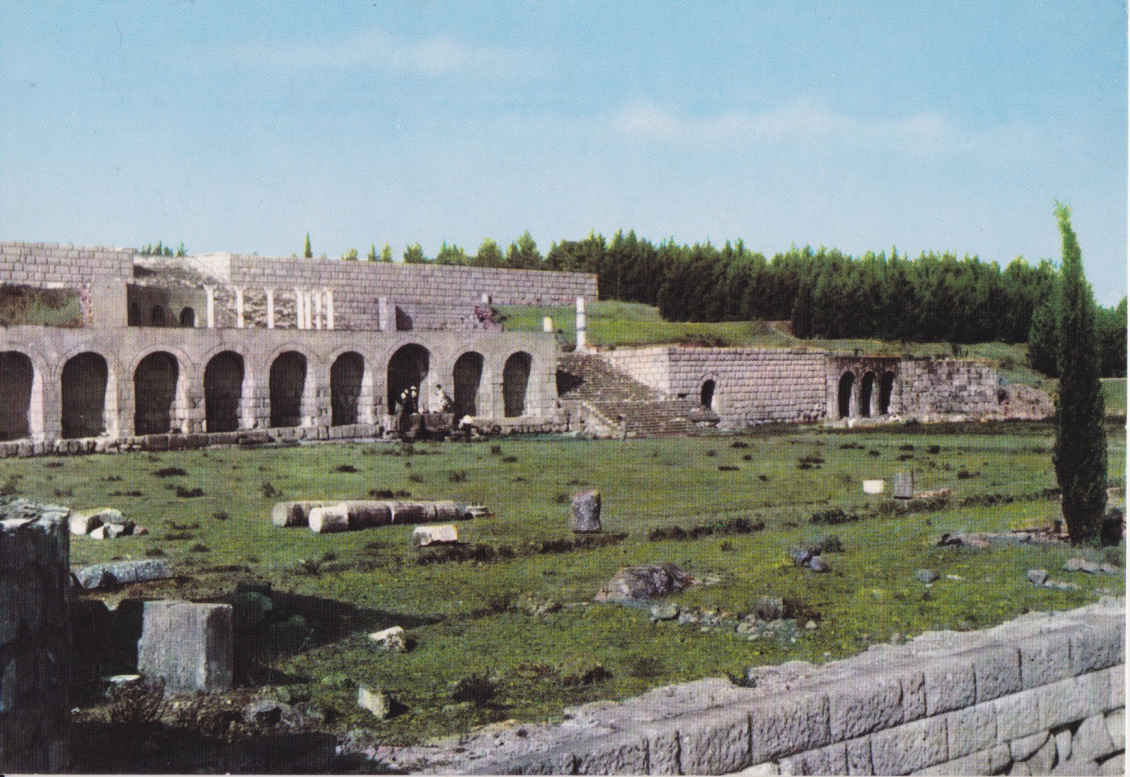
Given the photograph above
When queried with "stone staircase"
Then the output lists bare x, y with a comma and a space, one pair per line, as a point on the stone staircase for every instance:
616, 403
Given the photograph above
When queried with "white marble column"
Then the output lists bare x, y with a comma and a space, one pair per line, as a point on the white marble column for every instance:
582, 339
329, 308
238, 307
211, 306
299, 309
317, 295
270, 308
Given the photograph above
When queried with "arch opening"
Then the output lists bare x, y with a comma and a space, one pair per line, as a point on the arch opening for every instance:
134, 315
16, 377
155, 393
846, 381
223, 392
407, 369
157, 317
886, 389
346, 376
706, 394
516, 383
84, 382
287, 381
467, 377
866, 391
188, 317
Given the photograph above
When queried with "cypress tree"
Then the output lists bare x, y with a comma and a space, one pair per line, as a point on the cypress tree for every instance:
308, 252
1080, 441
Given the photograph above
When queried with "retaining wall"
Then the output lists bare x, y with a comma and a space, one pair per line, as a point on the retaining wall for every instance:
751, 385
1041, 693
35, 642
42, 264
948, 387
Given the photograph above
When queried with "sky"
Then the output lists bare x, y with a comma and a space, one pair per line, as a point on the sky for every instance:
857, 126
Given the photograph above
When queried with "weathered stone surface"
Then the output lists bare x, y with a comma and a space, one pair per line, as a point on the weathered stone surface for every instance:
121, 573
1063, 743
646, 581
996, 669
1023, 747
1045, 660
910, 746
1042, 761
858, 753
392, 639
664, 612
1018, 714
818, 564
624, 753
287, 514
1114, 766
1116, 727
271, 712
584, 513
974, 763
825, 760
1037, 576
329, 519
999, 758
950, 685
766, 769
375, 701
971, 729
913, 695
188, 645
408, 512
864, 704
83, 523
422, 536
1092, 740
1096, 646
790, 724
715, 742
925, 575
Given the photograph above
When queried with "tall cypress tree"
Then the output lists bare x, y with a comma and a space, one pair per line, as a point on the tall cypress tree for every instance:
307, 251
1080, 441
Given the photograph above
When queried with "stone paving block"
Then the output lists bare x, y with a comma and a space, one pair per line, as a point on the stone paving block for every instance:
864, 704
790, 724
187, 644
950, 685
909, 747
715, 742
973, 728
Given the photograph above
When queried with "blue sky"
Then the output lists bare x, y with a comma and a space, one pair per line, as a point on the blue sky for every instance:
927, 126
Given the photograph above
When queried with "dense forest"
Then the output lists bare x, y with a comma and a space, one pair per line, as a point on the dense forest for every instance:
823, 292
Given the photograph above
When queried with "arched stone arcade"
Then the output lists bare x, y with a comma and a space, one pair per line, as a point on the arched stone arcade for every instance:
155, 387
223, 392
407, 369
348, 390
17, 378
287, 386
867, 394
84, 385
516, 384
847, 380
467, 378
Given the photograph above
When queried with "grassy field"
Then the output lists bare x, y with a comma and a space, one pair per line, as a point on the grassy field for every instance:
472, 618
611, 323
1114, 395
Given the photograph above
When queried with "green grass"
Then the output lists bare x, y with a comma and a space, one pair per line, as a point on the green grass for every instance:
1114, 396
32, 306
463, 615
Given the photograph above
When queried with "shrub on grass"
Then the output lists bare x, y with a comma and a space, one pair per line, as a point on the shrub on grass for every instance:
727, 468
832, 517
189, 493
644, 667
381, 493
739, 444
458, 476
178, 536
509, 459
712, 452
477, 689
416, 477
220, 515
168, 472
747, 457
347, 468
561, 498
154, 552
198, 548
269, 490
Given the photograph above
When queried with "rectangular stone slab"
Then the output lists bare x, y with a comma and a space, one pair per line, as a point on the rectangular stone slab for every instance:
189, 645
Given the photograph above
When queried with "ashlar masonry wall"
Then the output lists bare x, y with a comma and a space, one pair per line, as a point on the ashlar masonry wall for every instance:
749, 385
51, 264
1042, 693
933, 388
35, 641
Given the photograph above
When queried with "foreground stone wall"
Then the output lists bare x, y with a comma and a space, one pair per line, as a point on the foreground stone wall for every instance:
949, 387
43, 264
35, 649
1042, 693
750, 385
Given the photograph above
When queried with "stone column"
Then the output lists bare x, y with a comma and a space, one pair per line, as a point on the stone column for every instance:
238, 307
299, 309
270, 308
211, 306
547, 324
317, 295
329, 308
582, 341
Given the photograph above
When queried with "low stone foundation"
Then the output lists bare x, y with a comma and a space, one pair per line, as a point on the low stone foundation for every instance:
1044, 693
35, 637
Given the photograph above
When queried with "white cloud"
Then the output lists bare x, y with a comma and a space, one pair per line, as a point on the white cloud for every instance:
431, 57
800, 120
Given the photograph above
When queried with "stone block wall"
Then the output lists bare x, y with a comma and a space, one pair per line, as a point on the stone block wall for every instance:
1043, 693
35, 642
43, 264
949, 387
358, 285
750, 385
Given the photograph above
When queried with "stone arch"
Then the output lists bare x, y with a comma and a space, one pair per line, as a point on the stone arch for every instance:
224, 376
85, 388
157, 317
17, 384
408, 367
188, 318
287, 387
467, 381
847, 380
156, 381
134, 315
347, 389
706, 393
866, 394
516, 383
886, 389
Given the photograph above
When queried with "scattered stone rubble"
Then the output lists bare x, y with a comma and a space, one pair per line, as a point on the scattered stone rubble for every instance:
324, 517
647, 581
584, 515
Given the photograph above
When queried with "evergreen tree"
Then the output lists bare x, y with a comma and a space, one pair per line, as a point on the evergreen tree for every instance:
1080, 440
489, 254
386, 253
350, 255
1043, 339
523, 253
308, 252
414, 254
372, 255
